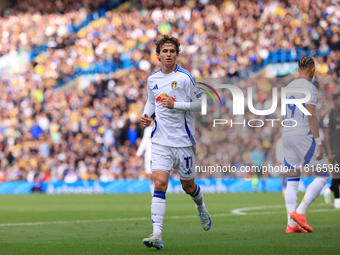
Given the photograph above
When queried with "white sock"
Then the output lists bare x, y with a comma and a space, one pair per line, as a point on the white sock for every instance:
197, 196
291, 197
336, 201
151, 187
312, 192
158, 211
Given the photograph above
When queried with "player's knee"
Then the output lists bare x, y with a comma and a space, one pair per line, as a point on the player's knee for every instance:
160, 185
189, 189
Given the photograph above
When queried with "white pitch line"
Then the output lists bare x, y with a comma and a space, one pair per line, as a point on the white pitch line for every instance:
240, 211
235, 212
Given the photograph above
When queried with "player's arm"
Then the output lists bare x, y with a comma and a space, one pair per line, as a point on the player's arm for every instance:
314, 127
149, 108
195, 95
327, 130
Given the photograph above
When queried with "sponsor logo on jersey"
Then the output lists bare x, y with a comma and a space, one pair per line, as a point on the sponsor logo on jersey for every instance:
174, 84
159, 99
155, 87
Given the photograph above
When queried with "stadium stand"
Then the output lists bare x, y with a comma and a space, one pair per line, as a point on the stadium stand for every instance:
90, 134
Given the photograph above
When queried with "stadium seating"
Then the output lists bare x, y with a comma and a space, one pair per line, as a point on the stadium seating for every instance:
62, 133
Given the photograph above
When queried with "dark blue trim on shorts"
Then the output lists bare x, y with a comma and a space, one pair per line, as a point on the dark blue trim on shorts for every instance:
153, 132
287, 164
310, 153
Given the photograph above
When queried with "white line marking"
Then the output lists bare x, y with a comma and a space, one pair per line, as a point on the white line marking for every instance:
240, 211
235, 212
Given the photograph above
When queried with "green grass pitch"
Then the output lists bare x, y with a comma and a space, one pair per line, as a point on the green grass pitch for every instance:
116, 224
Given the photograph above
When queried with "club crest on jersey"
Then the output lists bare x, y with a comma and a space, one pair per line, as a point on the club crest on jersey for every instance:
174, 84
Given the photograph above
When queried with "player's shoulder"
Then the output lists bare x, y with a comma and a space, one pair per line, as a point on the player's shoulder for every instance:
185, 74
155, 74
302, 82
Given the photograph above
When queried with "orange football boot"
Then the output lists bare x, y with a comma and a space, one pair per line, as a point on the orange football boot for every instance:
301, 220
296, 229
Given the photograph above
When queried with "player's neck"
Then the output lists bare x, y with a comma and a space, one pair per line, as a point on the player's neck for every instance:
167, 70
305, 77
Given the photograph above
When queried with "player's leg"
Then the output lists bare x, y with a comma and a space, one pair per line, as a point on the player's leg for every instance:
161, 179
336, 182
196, 194
311, 194
161, 164
328, 195
291, 200
335, 187
291, 162
185, 166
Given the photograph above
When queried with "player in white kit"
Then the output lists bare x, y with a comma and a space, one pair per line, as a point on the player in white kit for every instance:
172, 95
145, 146
302, 147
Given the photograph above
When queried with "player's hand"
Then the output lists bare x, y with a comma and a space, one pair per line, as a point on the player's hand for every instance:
145, 120
331, 158
320, 151
168, 102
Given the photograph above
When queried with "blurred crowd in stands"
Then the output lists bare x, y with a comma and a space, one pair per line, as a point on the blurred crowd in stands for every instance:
93, 134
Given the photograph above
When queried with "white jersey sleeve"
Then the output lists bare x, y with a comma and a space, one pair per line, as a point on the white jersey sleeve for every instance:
314, 95
195, 98
149, 108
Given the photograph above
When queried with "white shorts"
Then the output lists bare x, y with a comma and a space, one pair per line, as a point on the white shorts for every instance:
299, 151
182, 159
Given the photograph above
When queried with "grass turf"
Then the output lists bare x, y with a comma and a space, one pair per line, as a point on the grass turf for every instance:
260, 231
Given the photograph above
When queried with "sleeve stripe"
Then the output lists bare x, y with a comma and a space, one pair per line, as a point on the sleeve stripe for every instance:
181, 70
155, 72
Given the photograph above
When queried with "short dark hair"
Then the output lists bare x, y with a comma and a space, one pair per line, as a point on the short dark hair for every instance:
336, 96
306, 62
167, 39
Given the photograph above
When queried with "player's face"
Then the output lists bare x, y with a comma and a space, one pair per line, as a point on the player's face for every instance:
168, 54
